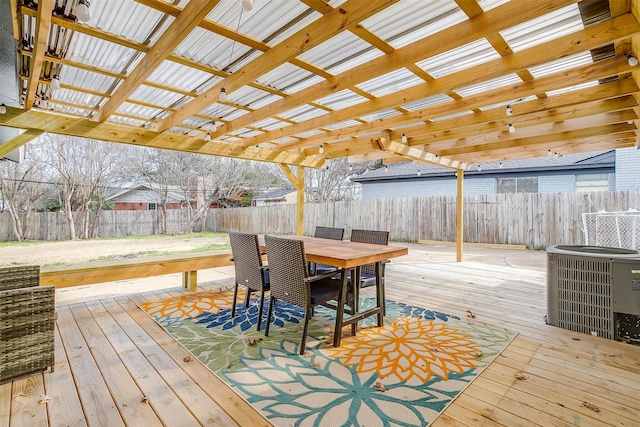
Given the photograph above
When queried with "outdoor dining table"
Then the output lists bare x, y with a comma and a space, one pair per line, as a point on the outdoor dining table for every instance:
347, 256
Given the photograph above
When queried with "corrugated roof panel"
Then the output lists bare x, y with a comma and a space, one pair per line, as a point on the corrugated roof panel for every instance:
155, 96
310, 133
345, 124
408, 21
441, 98
126, 121
491, 4
128, 19
302, 113
246, 133
340, 53
578, 60
209, 48
66, 109
86, 79
451, 116
548, 27
270, 124
76, 97
343, 99
138, 110
391, 82
502, 81
467, 56
380, 115
289, 78
176, 75
513, 104
285, 140
102, 54
229, 139
572, 88
251, 97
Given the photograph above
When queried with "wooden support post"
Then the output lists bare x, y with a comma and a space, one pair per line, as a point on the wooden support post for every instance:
459, 216
300, 202
190, 280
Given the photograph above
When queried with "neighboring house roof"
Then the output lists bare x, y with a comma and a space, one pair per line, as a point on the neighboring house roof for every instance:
598, 160
174, 193
274, 194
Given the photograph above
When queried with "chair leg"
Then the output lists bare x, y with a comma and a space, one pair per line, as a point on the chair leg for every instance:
247, 297
260, 308
235, 296
272, 301
307, 316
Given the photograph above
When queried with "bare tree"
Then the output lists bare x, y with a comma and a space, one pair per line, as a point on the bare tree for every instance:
22, 187
332, 182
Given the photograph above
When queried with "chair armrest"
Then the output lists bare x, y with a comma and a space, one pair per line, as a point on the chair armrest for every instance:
323, 276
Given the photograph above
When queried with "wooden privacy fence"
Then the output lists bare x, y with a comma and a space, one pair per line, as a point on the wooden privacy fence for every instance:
533, 220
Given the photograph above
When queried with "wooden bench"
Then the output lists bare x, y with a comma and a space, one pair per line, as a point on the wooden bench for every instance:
107, 271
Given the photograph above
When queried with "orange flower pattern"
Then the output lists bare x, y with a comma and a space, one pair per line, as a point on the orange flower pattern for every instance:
409, 348
192, 305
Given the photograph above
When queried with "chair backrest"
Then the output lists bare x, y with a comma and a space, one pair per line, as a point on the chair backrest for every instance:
329, 232
16, 277
246, 259
375, 237
288, 271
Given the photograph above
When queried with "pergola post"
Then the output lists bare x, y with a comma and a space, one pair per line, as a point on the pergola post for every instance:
298, 184
459, 216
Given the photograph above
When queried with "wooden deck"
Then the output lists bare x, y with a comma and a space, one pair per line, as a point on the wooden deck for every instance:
115, 366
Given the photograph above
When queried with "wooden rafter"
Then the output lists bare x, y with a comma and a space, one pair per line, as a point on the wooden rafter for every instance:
43, 23
349, 14
18, 141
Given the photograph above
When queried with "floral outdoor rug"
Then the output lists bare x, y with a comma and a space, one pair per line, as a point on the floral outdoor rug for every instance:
401, 374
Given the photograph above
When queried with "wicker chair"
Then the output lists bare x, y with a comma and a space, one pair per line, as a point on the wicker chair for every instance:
250, 272
368, 272
27, 321
291, 282
325, 233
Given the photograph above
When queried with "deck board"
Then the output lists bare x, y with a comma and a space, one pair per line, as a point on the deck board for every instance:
567, 374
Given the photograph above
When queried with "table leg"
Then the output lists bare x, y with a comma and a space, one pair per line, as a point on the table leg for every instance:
342, 297
380, 293
355, 289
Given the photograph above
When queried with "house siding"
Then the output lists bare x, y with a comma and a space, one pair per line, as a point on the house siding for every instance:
556, 183
418, 188
627, 175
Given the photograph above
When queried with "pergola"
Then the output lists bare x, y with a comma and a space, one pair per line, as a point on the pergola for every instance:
447, 82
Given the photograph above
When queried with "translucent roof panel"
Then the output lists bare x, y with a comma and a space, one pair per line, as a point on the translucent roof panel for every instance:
126, 121
176, 75
288, 15
155, 96
560, 65
86, 79
270, 124
302, 113
427, 102
502, 81
380, 115
461, 58
252, 97
341, 125
129, 19
453, 115
310, 133
343, 99
103, 54
67, 109
288, 78
548, 27
138, 110
220, 111
76, 97
391, 82
246, 133
340, 53
407, 21
210, 48
572, 88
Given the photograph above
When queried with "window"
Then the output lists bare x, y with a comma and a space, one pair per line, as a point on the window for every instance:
592, 182
518, 185
152, 206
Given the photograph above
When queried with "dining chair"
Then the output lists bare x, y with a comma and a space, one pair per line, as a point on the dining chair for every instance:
325, 233
290, 281
376, 237
250, 272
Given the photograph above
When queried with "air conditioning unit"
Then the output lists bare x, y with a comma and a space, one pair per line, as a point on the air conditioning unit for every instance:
594, 290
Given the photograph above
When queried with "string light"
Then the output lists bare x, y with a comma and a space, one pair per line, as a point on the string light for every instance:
509, 111
419, 173
3, 109
404, 138
223, 95
82, 11
207, 137
632, 60
500, 165
321, 150
350, 168
549, 153
512, 128
247, 5
479, 168
55, 82
386, 169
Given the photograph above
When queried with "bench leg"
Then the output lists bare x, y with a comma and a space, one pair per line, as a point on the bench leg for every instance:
190, 280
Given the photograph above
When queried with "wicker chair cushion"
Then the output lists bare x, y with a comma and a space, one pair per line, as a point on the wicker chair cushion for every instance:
324, 290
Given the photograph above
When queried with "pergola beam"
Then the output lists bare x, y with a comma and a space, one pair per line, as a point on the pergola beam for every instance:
43, 23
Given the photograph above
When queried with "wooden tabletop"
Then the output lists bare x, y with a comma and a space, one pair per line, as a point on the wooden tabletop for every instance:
342, 253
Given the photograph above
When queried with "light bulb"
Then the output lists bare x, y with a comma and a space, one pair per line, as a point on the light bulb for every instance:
512, 128
500, 165
632, 60
479, 168
223, 95
509, 111
247, 5
3, 109
556, 155
350, 168
404, 138
55, 82
419, 173
42, 103
207, 137
321, 150
257, 148
82, 11
386, 169
549, 153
